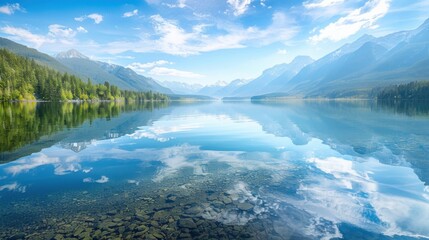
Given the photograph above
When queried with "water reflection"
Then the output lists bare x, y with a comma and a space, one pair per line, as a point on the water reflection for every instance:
307, 170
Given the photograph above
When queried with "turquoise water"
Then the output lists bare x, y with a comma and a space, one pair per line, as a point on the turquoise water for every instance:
300, 170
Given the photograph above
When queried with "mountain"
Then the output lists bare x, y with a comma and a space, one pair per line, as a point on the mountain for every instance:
99, 72
211, 90
32, 53
279, 73
75, 63
355, 69
229, 89
182, 88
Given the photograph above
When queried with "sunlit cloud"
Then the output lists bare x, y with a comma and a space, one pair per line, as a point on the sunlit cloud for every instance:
179, 4
239, 7
321, 3
169, 37
361, 18
163, 71
143, 67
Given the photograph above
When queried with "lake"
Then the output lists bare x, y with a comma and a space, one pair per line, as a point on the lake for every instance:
239, 170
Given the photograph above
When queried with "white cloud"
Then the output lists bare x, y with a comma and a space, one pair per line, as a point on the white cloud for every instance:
98, 18
142, 67
169, 37
282, 52
239, 7
81, 29
321, 3
361, 18
56, 30
163, 71
26, 36
10, 9
135, 12
179, 4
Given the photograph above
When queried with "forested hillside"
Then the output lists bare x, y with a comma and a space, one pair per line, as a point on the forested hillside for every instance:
24, 79
410, 91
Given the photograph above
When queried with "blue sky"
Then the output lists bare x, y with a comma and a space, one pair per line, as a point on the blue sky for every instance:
204, 42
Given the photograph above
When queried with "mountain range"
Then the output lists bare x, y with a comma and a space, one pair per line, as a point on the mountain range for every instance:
356, 69
76, 63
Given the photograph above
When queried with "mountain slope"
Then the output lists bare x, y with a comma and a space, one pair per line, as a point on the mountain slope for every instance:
182, 88
369, 62
99, 72
32, 53
279, 73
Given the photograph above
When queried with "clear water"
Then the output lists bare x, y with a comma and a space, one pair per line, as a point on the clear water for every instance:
300, 170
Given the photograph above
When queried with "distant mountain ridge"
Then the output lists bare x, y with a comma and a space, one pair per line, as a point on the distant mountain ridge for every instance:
355, 69
271, 78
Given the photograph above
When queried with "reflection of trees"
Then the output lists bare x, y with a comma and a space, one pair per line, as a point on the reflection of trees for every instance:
407, 107
24, 123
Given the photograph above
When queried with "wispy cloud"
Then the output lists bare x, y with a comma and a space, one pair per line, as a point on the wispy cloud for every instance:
361, 18
98, 18
321, 3
135, 12
10, 9
81, 29
24, 35
239, 7
163, 71
56, 34
179, 4
143, 67
169, 37
282, 52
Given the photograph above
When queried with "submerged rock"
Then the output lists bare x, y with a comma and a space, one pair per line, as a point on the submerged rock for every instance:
187, 223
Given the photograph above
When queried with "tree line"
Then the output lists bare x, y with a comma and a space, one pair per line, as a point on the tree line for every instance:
411, 91
23, 79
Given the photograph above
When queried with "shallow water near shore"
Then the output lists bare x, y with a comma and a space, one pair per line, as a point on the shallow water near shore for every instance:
298, 170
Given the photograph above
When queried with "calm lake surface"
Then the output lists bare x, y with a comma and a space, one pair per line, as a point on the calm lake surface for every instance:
299, 170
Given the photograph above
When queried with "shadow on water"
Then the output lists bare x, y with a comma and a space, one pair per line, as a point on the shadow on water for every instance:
28, 127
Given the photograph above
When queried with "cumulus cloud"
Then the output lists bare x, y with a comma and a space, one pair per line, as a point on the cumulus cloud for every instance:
361, 18
163, 71
239, 7
135, 12
10, 9
322, 3
98, 18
